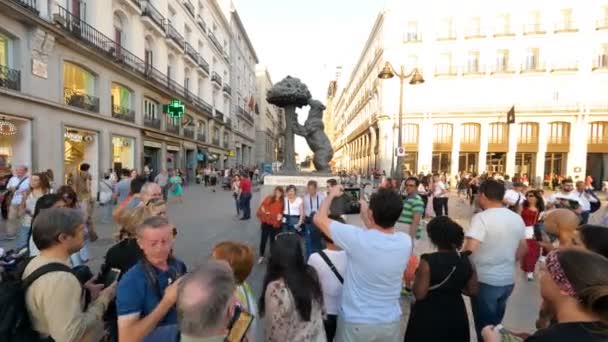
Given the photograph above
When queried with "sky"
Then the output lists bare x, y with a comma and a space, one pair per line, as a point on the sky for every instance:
308, 39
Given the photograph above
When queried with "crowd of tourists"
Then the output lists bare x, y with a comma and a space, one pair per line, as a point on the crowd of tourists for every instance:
325, 279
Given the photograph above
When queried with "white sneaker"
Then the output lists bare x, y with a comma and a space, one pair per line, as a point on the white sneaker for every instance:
530, 276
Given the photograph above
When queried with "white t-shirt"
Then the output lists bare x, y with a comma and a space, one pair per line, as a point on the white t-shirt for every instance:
292, 208
584, 199
513, 197
330, 284
499, 231
438, 189
568, 196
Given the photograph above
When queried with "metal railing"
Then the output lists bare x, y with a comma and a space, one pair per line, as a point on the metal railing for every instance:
123, 113
30, 5
474, 32
534, 28
81, 100
215, 41
229, 122
10, 78
216, 78
148, 10
173, 34
216, 141
189, 7
206, 107
191, 52
227, 89
201, 23
203, 63
201, 137
219, 116
226, 143
189, 132
565, 66
152, 122
171, 128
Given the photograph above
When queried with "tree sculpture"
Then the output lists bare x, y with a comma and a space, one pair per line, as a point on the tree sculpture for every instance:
289, 94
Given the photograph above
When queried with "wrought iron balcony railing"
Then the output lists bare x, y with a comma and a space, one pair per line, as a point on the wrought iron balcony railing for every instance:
123, 113
148, 10
216, 141
227, 89
30, 5
216, 78
201, 137
189, 133
413, 37
191, 52
201, 23
202, 63
219, 116
81, 100
10, 78
189, 7
174, 35
152, 122
215, 41
172, 128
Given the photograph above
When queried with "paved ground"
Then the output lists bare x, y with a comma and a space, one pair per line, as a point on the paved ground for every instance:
206, 218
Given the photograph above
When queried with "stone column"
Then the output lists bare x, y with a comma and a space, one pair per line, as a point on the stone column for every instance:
455, 157
483, 147
425, 145
512, 149
577, 155
372, 146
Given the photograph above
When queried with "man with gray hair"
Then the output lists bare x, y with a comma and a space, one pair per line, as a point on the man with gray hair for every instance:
204, 299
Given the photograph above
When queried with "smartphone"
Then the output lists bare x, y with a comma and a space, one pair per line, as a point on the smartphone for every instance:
110, 277
239, 325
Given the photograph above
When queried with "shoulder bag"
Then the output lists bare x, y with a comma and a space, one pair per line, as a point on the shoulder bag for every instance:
331, 265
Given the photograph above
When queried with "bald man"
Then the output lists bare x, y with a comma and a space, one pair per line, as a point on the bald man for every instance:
562, 223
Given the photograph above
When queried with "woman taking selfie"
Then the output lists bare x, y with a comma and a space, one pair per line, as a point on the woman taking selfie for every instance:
291, 301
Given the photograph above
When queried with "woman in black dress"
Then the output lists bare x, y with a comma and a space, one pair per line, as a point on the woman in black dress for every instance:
442, 277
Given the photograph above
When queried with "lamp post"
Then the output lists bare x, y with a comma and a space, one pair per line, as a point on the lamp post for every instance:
416, 78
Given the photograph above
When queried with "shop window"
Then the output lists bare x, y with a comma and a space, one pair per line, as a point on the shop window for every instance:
4, 45
78, 79
121, 96
123, 153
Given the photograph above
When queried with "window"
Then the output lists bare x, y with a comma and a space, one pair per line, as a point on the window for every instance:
565, 60
446, 29
474, 27
203, 127
4, 41
410, 136
188, 33
502, 61
503, 25
187, 79
534, 23
499, 133
597, 133
78, 79
602, 22
473, 62
469, 135
444, 65
442, 136
121, 96
566, 23
601, 61
528, 133
412, 32
559, 133
532, 59
170, 67
150, 109
148, 54
119, 30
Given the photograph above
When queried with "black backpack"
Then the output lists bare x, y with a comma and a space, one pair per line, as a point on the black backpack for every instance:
15, 324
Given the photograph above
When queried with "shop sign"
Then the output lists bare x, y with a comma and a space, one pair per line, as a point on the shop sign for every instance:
231, 153
124, 142
175, 109
77, 137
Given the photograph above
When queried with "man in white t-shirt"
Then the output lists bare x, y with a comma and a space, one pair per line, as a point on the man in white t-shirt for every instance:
496, 238
330, 265
440, 197
514, 197
566, 198
18, 184
377, 257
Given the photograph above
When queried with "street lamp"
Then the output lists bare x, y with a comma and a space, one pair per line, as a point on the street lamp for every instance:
416, 78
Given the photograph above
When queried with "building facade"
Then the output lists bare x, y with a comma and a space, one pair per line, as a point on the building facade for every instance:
243, 60
547, 59
270, 125
76, 86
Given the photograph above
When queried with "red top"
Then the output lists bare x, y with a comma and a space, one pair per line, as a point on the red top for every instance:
269, 212
245, 185
530, 216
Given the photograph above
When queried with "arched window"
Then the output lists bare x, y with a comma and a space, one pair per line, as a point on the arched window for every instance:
149, 51
597, 137
171, 66
498, 137
410, 136
442, 136
559, 133
470, 137
120, 30
79, 87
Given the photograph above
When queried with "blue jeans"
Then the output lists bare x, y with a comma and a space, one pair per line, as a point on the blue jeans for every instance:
312, 238
23, 237
489, 305
246, 204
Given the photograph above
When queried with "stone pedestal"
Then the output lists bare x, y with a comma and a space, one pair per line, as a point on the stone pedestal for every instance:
299, 180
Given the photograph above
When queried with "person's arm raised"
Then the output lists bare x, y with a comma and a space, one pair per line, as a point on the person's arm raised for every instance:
321, 218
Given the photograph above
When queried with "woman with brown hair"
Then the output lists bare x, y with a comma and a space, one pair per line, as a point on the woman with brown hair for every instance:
532, 211
578, 295
39, 186
270, 214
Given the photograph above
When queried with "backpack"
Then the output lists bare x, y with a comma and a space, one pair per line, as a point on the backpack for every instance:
15, 324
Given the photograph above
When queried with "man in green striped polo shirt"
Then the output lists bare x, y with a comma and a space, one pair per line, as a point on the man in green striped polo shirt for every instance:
413, 209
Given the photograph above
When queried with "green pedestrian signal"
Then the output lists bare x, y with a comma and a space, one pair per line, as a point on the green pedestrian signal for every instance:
175, 109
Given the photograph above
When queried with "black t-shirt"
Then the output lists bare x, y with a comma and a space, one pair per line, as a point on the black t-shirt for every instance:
572, 332
122, 255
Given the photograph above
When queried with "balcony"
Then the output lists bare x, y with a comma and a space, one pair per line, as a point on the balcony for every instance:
446, 71
567, 66
226, 143
450, 35
123, 113
81, 100
566, 26
151, 18
229, 122
473, 69
30, 5
503, 31
191, 54
189, 7
413, 37
219, 116
532, 66
227, 90
533, 29
601, 24
201, 137
97, 40
203, 65
216, 79
503, 68
189, 132
171, 128
215, 41
240, 111
204, 106
152, 122
601, 62
10, 78
216, 141
132, 5
201, 23
174, 39
474, 33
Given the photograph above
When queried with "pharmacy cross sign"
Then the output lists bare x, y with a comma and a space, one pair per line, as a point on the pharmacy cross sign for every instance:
175, 109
